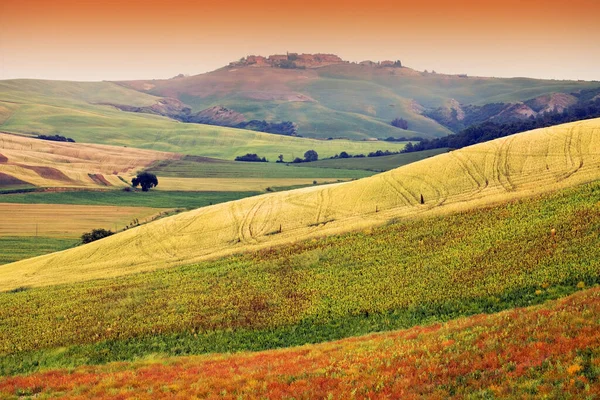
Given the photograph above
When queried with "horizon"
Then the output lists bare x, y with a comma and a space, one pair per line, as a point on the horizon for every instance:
108, 41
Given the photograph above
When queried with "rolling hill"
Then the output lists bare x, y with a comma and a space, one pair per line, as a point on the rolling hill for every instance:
508, 168
341, 99
78, 110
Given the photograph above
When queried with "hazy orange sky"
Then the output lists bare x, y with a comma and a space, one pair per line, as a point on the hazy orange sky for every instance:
110, 40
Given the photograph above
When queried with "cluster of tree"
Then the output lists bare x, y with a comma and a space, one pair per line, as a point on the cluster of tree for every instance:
146, 180
251, 158
377, 153
94, 235
309, 156
403, 139
56, 138
287, 128
344, 154
400, 123
380, 153
491, 130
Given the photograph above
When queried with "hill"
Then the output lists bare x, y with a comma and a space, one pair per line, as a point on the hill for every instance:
335, 98
507, 168
78, 110
544, 351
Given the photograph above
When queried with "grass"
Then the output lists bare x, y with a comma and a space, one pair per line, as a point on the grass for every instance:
189, 168
66, 221
542, 351
15, 248
490, 173
378, 164
153, 199
397, 276
238, 184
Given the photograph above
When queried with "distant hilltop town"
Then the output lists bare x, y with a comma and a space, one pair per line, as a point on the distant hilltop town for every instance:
302, 61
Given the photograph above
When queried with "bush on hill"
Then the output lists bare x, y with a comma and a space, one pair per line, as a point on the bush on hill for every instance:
400, 123
251, 158
56, 138
94, 235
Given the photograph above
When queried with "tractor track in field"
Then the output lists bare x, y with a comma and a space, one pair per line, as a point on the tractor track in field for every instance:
574, 160
399, 189
502, 164
472, 170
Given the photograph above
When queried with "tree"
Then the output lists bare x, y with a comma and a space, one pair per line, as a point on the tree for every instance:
280, 157
311, 155
146, 180
400, 123
343, 154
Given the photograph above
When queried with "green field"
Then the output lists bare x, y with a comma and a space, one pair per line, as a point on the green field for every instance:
20, 247
190, 167
377, 164
404, 274
154, 198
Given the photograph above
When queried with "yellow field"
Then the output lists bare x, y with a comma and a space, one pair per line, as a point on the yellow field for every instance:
233, 184
516, 166
58, 164
66, 221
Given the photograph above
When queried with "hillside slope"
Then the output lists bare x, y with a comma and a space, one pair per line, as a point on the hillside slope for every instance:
59, 164
345, 99
511, 167
537, 352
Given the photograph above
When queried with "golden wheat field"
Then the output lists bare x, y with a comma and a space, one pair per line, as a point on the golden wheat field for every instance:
67, 221
508, 168
60, 164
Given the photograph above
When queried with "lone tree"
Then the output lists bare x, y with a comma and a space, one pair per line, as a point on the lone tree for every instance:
146, 180
311, 155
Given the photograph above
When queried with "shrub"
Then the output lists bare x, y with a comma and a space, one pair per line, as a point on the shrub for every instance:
94, 235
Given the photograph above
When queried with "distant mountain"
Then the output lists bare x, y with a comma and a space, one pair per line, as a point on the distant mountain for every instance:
456, 116
327, 97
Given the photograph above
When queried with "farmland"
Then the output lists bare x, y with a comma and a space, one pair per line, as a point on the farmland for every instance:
380, 164
543, 351
17, 248
316, 290
201, 167
45, 163
155, 199
509, 168
66, 221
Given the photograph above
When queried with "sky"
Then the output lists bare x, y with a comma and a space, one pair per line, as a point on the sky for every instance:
92, 40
